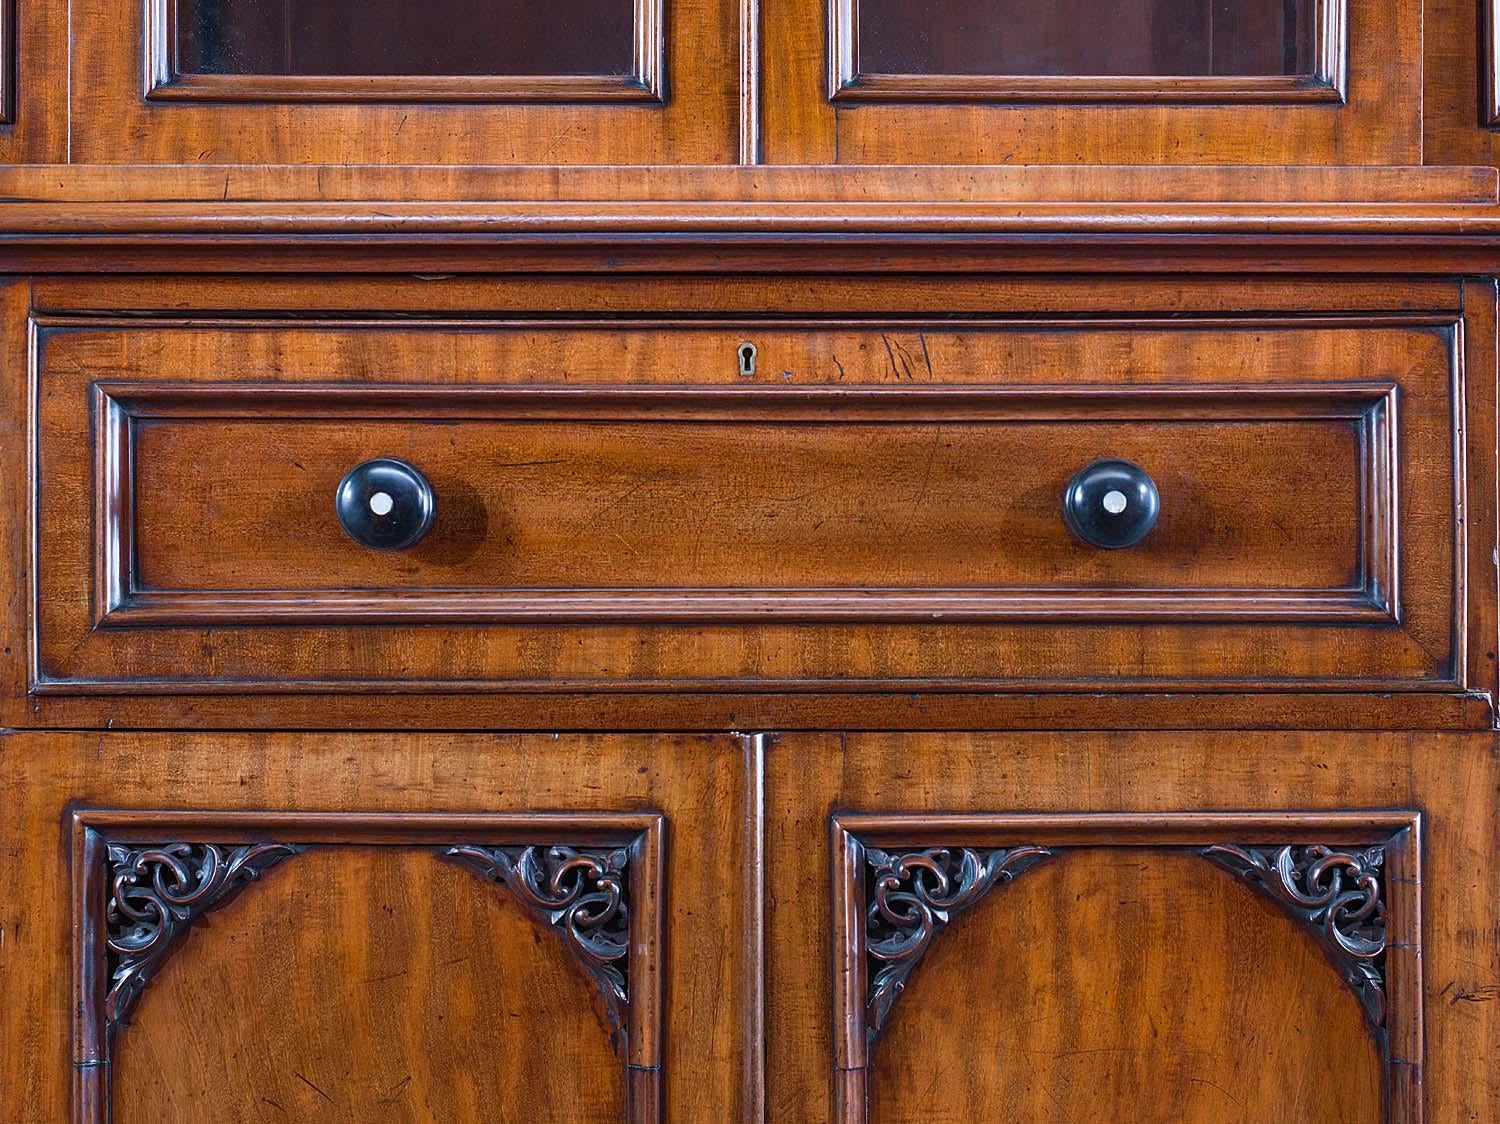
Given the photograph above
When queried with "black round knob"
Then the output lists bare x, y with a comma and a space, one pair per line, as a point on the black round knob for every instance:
1111, 504
385, 504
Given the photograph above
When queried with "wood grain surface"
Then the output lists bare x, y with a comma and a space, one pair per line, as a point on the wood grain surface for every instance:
1138, 979
369, 984
296, 964
685, 493
1025, 931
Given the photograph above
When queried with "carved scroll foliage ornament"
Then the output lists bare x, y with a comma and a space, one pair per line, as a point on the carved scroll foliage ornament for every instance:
580, 894
155, 895
1335, 892
912, 897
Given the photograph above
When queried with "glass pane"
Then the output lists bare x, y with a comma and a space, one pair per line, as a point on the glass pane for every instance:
404, 37
1128, 38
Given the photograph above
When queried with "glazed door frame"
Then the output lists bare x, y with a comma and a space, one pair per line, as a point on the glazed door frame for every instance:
680, 104
1356, 107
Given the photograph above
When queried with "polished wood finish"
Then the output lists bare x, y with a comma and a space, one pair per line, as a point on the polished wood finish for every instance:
1341, 348
1159, 74
900, 882
154, 439
390, 120
1104, 120
747, 369
366, 53
1092, 1006
503, 1017
998, 184
398, 853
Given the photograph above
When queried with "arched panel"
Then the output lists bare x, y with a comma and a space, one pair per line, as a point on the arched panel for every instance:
335, 966
370, 984
1200, 967
1145, 980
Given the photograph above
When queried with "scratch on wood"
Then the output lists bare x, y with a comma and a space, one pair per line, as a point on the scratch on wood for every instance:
313, 1087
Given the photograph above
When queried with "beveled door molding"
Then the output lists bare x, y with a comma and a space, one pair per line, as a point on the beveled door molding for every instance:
142, 878
1352, 878
643, 83
1327, 81
1489, 63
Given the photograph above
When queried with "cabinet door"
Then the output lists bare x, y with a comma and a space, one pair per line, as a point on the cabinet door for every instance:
319, 929
389, 82
1197, 928
1147, 81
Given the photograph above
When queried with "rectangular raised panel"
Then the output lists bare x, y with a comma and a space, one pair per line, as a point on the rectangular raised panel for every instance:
951, 536
216, 50
619, 506
1048, 53
1348, 882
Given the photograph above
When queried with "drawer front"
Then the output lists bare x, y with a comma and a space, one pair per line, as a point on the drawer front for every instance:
622, 503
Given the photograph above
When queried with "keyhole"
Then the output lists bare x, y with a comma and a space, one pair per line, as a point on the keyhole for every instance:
381, 503
746, 354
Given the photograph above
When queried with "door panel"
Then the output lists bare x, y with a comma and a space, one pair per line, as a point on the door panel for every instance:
1129, 978
1043, 924
375, 928
455, 83
1141, 83
372, 983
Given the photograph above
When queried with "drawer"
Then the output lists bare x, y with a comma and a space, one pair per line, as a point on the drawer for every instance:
877, 505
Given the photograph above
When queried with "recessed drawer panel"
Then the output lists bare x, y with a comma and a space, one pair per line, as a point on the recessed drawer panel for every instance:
829, 503
627, 504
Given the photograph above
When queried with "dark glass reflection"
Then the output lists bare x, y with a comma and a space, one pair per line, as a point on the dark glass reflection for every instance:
404, 37
1086, 37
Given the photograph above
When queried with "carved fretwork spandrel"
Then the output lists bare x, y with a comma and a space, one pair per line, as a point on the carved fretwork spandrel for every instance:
582, 895
912, 896
155, 895
1337, 893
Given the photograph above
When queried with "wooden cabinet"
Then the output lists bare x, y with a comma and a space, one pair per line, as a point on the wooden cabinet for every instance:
1140, 83
149, 100
749, 562
611, 82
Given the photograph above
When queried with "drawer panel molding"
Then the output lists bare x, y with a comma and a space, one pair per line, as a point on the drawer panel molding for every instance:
878, 509
1371, 597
